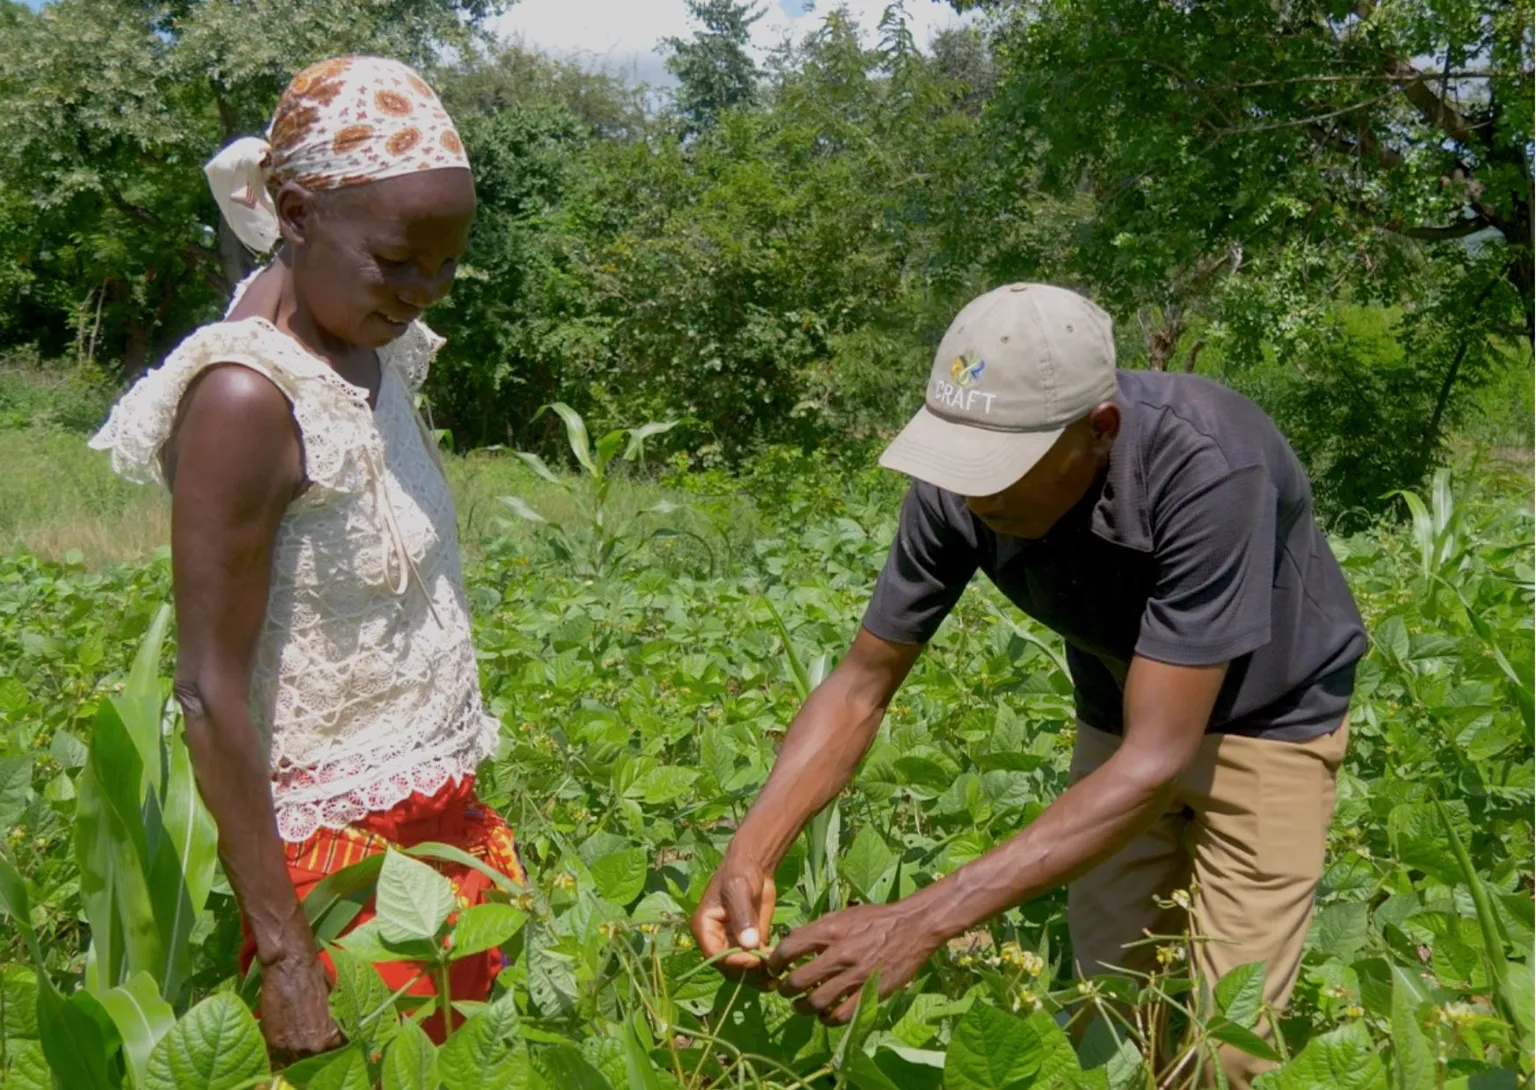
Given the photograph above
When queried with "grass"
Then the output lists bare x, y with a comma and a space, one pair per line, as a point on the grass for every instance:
57, 496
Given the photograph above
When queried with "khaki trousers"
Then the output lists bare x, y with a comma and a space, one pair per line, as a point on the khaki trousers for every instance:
1249, 824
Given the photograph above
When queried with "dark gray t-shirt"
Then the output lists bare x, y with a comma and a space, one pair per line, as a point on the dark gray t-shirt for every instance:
1198, 547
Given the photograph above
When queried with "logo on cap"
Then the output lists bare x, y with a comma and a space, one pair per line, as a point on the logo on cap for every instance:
967, 369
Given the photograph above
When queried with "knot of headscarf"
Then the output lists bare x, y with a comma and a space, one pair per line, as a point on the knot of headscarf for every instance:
345, 121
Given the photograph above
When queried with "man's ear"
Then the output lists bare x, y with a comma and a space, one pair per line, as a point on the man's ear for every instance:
295, 213
1104, 425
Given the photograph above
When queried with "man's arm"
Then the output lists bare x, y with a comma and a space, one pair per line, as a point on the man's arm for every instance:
821, 751
1167, 709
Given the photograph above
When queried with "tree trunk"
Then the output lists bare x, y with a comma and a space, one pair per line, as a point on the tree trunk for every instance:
1162, 342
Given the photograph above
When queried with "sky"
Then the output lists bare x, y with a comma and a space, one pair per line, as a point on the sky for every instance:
620, 36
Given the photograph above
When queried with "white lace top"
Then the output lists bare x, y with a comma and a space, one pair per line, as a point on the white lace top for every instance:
365, 683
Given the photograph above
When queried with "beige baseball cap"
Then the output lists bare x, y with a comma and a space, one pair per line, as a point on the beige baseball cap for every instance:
1016, 366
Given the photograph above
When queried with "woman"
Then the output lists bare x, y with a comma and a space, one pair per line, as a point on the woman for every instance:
325, 666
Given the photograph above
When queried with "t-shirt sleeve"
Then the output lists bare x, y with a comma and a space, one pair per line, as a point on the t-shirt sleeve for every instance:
927, 570
1215, 550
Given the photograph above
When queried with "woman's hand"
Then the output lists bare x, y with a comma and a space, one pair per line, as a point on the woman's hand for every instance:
295, 1008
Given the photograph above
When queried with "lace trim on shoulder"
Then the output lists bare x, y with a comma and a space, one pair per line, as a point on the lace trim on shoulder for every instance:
331, 412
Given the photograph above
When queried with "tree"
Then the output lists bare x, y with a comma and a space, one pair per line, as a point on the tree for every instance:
110, 109
713, 69
1246, 166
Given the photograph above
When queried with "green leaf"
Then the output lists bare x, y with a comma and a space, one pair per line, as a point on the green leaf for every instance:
551, 978
410, 1062
576, 436
15, 789
1418, 840
1240, 994
73, 1041
521, 508
18, 906
869, 865
1244, 1040
193, 838
566, 1068
481, 927
861, 1025
620, 876
991, 1051
539, 467
447, 853
112, 852
141, 702
347, 1071
217, 1046
863, 1073
1414, 1060
608, 447
1341, 930
1517, 1015
29, 1068
413, 900
484, 1052
142, 1018
638, 1070
361, 1002
638, 436
1342, 1060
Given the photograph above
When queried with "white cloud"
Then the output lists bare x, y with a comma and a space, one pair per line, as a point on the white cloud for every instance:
622, 35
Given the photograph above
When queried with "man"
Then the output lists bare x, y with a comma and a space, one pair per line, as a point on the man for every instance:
1161, 525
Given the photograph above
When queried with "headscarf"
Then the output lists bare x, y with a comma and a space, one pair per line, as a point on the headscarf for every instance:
345, 121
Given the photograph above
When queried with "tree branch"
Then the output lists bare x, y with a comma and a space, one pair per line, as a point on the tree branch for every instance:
1431, 106
1443, 234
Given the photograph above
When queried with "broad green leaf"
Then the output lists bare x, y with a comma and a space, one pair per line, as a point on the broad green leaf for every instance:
347, 1071
18, 906
18, 1018
866, 862
1412, 1056
15, 789
447, 853
620, 876
1344, 1059
481, 927
991, 1050
29, 1068
361, 1002
413, 900
1341, 930
142, 1018
1240, 994
484, 1052
216, 1046
1418, 840
565, 1067
340, 895
608, 448
551, 978
410, 1062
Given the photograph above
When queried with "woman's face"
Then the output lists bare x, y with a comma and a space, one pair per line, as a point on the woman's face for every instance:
369, 259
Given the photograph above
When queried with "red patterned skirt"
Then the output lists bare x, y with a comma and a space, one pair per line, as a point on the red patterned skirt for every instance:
453, 816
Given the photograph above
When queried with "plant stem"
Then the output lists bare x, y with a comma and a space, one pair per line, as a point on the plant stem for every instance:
444, 995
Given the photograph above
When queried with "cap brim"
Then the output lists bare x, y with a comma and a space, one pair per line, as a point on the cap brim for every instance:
962, 459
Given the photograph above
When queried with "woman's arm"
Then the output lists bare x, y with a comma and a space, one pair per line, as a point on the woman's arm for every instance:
235, 463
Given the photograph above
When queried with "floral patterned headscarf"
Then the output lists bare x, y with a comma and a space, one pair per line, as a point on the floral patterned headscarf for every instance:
345, 121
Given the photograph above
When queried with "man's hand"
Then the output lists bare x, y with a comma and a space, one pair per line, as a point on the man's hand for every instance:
849, 947
737, 911
295, 1009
